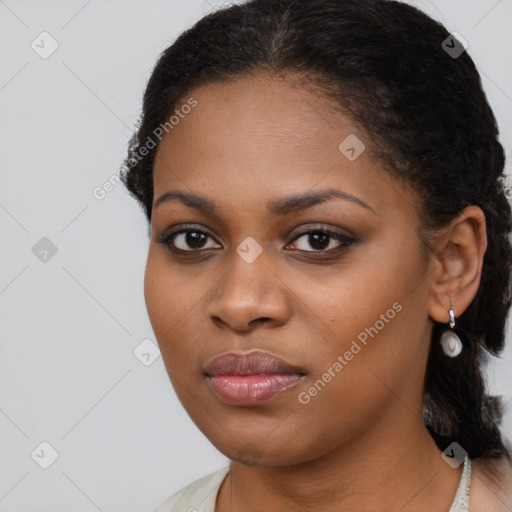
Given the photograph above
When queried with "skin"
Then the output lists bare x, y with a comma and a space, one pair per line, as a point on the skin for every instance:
360, 443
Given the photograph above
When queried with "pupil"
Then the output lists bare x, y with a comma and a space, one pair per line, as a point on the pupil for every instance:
319, 238
195, 239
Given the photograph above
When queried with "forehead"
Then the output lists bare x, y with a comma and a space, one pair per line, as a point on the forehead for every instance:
244, 115
264, 137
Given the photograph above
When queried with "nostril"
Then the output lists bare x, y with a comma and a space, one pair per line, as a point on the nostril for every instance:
262, 319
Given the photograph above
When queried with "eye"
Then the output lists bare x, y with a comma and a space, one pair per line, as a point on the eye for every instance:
190, 239
187, 240
323, 240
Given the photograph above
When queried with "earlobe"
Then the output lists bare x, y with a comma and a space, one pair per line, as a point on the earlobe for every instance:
457, 264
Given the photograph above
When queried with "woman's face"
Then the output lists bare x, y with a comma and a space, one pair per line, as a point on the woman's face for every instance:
258, 273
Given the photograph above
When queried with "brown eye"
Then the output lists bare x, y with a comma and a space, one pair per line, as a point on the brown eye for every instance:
321, 240
187, 240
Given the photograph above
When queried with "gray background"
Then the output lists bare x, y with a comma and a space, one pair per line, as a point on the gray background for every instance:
70, 323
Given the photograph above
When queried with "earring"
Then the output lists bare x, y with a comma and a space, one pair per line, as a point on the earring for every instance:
452, 346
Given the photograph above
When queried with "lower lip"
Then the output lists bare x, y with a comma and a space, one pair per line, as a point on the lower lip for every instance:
250, 390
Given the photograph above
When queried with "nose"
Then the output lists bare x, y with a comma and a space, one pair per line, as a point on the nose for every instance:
250, 294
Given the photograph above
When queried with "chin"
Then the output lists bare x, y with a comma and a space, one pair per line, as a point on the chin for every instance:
249, 454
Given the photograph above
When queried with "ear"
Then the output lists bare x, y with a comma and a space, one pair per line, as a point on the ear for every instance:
456, 265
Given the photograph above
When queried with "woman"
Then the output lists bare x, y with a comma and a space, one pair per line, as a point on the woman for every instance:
329, 261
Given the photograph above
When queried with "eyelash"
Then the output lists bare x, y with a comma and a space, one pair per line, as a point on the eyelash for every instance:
345, 241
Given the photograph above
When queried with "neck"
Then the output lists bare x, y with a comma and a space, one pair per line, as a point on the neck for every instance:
400, 470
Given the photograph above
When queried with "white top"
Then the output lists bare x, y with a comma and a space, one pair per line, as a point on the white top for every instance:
200, 495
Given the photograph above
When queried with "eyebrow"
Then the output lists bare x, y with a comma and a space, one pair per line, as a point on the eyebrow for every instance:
283, 206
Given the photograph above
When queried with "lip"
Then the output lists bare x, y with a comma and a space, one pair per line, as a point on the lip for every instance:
250, 379
250, 363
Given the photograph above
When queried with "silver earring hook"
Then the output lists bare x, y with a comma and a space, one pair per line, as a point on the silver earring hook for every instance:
452, 317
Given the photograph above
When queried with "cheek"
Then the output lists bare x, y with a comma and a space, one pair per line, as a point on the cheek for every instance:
375, 343
168, 293
166, 302
156, 296
173, 301
352, 394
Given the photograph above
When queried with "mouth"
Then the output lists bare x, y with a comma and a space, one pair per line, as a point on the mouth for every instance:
250, 379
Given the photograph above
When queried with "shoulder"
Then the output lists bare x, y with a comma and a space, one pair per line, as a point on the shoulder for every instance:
198, 496
491, 486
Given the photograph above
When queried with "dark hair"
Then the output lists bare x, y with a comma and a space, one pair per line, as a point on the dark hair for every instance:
424, 116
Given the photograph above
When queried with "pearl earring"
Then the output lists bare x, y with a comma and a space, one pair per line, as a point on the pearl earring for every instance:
452, 346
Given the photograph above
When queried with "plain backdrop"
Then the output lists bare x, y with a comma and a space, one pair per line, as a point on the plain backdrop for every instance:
78, 392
